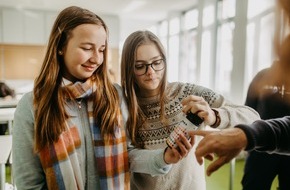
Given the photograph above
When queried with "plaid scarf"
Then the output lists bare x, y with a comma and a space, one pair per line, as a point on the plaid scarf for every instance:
60, 161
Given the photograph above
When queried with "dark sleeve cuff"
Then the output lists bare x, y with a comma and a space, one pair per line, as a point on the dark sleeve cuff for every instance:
250, 136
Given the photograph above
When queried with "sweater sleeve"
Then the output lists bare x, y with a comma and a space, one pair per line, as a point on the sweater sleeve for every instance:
27, 169
231, 114
272, 136
148, 161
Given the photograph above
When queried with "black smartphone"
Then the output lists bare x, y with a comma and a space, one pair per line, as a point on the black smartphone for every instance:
194, 118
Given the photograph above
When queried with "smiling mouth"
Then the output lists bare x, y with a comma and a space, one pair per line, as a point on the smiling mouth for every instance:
90, 68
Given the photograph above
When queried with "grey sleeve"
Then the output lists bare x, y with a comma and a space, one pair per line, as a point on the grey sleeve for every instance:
230, 113
148, 161
27, 169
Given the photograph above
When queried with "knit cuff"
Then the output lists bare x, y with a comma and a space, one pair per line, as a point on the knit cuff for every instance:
160, 163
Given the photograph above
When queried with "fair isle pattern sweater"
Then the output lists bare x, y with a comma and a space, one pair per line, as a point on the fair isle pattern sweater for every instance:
187, 174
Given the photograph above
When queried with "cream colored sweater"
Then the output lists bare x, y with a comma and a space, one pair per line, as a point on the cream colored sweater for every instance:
186, 174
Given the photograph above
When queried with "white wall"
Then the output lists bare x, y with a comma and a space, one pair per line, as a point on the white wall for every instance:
33, 27
131, 25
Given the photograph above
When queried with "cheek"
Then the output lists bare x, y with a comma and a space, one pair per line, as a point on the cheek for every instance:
161, 74
138, 80
81, 57
77, 57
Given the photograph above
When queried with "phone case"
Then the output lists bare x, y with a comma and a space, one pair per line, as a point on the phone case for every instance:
170, 141
193, 118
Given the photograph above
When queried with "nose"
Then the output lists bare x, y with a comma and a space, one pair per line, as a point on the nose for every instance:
96, 58
150, 69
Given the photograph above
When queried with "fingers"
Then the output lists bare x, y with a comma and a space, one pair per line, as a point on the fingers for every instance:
198, 105
192, 103
172, 155
214, 166
199, 159
205, 148
186, 141
209, 157
184, 145
191, 98
176, 154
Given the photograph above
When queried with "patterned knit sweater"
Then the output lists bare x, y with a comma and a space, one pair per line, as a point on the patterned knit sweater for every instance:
186, 174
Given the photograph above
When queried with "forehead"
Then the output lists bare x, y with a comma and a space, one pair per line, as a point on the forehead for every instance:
89, 33
147, 51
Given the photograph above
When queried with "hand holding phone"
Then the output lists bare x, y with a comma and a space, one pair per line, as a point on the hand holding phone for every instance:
170, 141
193, 118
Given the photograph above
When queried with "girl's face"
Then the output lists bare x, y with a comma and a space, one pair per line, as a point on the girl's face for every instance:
84, 52
149, 82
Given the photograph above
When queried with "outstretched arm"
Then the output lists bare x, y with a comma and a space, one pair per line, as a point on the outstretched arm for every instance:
272, 136
225, 144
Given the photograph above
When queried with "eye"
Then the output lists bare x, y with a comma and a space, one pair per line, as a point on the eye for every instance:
87, 48
157, 62
102, 50
140, 66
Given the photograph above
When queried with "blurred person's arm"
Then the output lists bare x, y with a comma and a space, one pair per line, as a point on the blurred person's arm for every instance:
272, 136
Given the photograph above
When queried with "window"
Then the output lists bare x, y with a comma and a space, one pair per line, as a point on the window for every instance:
224, 58
202, 53
224, 50
260, 36
173, 49
208, 16
205, 59
257, 7
190, 19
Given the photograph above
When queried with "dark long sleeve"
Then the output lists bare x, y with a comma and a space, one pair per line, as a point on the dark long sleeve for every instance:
272, 136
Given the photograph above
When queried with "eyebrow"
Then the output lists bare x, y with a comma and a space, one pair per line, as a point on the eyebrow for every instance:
87, 43
153, 58
92, 44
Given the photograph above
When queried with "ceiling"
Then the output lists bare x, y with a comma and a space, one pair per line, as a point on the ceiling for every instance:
138, 9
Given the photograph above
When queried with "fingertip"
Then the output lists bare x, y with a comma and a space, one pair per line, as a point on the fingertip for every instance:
199, 160
209, 174
209, 157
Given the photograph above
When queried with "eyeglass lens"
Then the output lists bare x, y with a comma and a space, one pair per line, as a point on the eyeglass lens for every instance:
157, 65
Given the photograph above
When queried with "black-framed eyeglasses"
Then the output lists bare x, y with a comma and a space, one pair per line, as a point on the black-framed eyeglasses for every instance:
141, 67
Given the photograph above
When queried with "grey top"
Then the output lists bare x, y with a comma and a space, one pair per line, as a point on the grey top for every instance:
27, 169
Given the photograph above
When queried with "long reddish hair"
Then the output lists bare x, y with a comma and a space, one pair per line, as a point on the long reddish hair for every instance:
50, 114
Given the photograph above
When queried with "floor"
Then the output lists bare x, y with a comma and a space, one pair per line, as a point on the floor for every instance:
220, 180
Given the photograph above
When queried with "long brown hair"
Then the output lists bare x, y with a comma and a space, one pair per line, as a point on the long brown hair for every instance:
50, 114
128, 81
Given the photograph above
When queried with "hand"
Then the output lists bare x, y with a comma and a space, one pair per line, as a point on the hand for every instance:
174, 155
225, 144
198, 105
